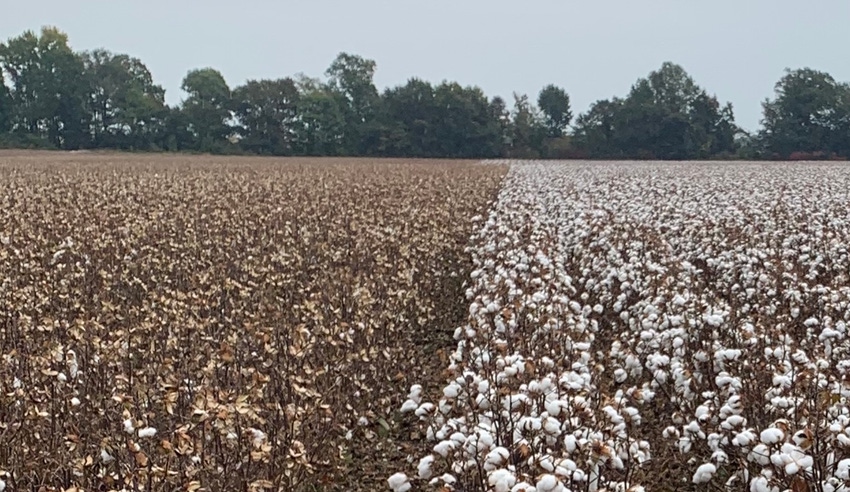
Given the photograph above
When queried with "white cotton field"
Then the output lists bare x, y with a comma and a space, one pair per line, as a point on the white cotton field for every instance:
649, 326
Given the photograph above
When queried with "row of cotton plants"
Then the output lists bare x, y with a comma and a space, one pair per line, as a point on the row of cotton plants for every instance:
650, 324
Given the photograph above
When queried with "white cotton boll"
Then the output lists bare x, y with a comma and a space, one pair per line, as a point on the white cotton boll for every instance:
363, 421
571, 444
62, 377
496, 458
771, 435
523, 487
501, 480
842, 470
704, 473
685, 445
451, 391
443, 447
75, 402
620, 376
415, 393
714, 320
399, 482
409, 406
760, 454
549, 483
551, 426
744, 439
129, 428
105, 457
553, 407
424, 467
617, 463
147, 432
759, 484
732, 422
424, 410
482, 402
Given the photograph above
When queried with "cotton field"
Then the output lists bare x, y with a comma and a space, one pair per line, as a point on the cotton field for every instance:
223, 324
648, 326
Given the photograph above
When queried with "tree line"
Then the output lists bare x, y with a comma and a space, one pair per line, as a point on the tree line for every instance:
54, 97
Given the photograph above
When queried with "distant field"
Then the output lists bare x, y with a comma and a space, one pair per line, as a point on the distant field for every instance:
214, 323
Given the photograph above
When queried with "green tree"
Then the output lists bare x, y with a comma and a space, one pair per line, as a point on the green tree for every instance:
5, 108
464, 125
810, 113
351, 76
554, 102
528, 129
666, 115
409, 118
266, 111
595, 132
128, 109
320, 124
49, 91
207, 108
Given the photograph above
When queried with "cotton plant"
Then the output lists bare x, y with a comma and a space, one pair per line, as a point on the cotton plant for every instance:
619, 313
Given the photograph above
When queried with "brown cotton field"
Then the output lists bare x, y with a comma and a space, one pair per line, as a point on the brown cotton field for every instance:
200, 323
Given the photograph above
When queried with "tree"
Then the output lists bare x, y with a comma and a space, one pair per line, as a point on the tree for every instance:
409, 119
128, 109
810, 113
351, 76
464, 125
554, 102
49, 91
266, 111
5, 108
528, 129
666, 116
596, 131
207, 109
320, 124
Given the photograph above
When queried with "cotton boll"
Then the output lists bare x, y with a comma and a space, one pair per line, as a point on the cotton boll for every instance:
704, 473
399, 482
502, 480
128, 426
105, 457
147, 432
75, 402
409, 406
424, 467
842, 470
549, 483
771, 435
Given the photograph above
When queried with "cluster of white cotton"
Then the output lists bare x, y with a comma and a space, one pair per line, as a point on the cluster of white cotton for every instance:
623, 312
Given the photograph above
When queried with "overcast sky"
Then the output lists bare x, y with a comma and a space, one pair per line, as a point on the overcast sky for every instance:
595, 49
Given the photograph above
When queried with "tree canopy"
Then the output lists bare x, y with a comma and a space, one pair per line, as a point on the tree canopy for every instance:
54, 97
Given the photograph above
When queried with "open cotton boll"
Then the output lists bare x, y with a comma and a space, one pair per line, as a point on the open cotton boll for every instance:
549, 483
842, 470
704, 473
501, 480
129, 428
771, 435
399, 482
105, 457
424, 467
75, 401
147, 432
409, 406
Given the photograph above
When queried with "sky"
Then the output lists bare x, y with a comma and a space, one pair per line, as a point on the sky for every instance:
596, 49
